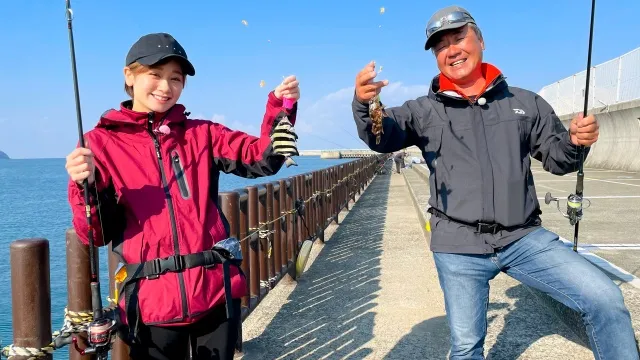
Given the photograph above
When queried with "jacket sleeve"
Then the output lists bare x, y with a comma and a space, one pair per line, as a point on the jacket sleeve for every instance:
241, 154
398, 125
107, 217
550, 142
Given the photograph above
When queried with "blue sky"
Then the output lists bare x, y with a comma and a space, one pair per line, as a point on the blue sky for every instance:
324, 43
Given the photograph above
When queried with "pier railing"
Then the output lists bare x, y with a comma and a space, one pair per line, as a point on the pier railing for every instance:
272, 221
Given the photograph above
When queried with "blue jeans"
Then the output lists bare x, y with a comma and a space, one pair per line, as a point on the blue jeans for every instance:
539, 260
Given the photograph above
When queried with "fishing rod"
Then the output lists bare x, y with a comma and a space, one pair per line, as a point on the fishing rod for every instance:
99, 329
574, 201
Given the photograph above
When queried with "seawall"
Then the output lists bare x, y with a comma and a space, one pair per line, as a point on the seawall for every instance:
618, 146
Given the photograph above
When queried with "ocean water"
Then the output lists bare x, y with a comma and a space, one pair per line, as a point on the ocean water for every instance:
33, 203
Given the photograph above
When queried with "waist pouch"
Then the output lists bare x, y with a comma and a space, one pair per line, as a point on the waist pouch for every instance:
226, 252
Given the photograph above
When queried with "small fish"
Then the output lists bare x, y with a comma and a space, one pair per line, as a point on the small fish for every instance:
289, 161
283, 138
376, 113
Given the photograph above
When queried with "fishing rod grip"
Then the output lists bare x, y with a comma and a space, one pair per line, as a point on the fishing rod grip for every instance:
96, 301
580, 177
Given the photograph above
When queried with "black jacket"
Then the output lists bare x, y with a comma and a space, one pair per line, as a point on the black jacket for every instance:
479, 158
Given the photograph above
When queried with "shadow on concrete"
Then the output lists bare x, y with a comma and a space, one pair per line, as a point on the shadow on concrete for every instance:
329, 313
513, 327
425, 341
525, 321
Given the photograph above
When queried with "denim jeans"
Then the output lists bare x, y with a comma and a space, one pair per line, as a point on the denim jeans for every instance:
539, 260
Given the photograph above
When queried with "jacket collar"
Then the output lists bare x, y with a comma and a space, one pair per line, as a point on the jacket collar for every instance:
443, 86
127, 117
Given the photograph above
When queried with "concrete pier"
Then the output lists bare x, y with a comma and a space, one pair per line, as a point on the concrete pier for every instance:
371, 292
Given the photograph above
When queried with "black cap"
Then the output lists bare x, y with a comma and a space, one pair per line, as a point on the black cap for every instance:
152, 48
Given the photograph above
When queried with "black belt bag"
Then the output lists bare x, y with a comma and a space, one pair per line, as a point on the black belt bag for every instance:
226, 252
485, 228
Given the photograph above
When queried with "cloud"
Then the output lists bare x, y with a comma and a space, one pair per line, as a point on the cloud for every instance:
217, 118
251, 129
328, 122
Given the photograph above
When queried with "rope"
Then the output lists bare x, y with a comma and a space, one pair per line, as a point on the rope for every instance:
12, 351
261, 234
74, 322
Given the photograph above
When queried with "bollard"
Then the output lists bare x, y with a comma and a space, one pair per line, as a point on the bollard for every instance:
291, 222
281, 225
322, 220
299, 238
254, 244
314, 193
324, 185
229, 206
307, 197
263, 240
243, 232
269, 198
30, 294
120, 350
334, 195
276, 251
78, 281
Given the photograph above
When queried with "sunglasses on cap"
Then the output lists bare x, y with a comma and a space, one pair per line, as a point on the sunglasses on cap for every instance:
452, 18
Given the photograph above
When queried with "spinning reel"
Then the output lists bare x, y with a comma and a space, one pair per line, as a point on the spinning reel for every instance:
99, 335
574, 206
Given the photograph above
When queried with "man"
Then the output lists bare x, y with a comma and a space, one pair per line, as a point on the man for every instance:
477, 134
398, 158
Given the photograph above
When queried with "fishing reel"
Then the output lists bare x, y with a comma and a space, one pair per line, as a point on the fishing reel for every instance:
574, 206
99, 336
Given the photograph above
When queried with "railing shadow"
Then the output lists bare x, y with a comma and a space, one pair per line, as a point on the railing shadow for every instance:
329, 313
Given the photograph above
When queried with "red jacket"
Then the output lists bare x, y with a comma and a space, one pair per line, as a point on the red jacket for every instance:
145, 220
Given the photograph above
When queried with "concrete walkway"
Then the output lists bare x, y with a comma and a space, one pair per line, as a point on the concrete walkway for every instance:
371, 292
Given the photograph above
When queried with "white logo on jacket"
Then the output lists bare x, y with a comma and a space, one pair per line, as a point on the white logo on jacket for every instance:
518, 111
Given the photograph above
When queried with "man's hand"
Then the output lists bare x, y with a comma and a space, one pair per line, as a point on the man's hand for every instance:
288, 88
366, 89
584, 130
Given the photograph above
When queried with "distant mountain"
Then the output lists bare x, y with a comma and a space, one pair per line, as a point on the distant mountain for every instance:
3, 156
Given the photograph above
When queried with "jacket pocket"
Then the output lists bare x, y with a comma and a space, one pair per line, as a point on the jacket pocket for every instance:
431, 150
433, 136
181, 177
525, 125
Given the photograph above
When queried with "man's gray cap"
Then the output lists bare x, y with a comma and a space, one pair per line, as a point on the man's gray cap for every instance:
451, 17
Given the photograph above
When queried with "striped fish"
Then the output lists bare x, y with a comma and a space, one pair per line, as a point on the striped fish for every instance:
283, 140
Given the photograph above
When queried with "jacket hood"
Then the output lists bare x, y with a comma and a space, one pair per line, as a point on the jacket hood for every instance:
127, 117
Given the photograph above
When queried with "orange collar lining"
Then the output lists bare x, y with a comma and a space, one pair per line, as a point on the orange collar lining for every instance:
489, 72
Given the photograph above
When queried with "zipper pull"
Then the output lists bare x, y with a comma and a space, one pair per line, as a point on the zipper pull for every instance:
155, 139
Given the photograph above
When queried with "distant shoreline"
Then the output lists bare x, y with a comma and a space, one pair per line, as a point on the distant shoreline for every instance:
4, 156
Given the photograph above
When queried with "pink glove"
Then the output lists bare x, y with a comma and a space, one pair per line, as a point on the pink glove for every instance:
288, 103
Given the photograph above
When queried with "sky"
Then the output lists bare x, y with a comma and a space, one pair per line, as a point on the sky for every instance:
323, 43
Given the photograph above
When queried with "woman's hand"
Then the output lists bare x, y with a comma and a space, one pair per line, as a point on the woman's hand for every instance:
80, 165
288, 89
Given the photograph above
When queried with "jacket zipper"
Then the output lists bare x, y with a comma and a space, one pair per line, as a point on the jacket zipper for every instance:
172, 215
495, 82
178, 170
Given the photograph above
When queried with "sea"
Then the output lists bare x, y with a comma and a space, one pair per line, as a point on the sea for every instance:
33, 204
